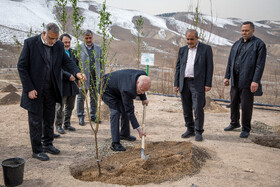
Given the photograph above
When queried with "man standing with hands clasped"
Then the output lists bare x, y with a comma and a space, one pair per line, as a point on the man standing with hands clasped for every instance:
193, 77
245, 68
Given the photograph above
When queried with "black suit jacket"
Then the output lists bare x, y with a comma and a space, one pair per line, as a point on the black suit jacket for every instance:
32, 70
203, 67
252, 63
121, 90
70, 87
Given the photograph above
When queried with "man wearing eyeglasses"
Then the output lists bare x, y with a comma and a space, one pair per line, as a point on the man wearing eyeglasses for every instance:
39, 67
122, 87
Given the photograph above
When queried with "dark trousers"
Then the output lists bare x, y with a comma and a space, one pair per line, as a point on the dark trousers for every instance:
245, 98
115, 124
193, 101
41, 122
81, 103
63, 112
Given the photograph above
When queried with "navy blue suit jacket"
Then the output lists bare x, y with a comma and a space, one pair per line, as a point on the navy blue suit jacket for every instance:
32, 70
121, 90
203, 67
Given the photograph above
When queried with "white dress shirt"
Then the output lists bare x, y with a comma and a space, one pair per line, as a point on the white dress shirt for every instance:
189, 71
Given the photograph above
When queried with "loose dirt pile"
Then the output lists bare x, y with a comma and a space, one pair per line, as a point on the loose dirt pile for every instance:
269, 141
10, 99
259, 127
168, 161
212, 106
9, 88
268, 135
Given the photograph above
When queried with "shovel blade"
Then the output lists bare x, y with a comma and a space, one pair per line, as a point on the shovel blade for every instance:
146, 157
143, 156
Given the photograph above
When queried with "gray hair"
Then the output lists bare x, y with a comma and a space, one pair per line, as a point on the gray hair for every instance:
87, 32
192, 30
51, 27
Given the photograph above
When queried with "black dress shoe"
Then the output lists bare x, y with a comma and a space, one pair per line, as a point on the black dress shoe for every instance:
40, 156
244, 134
69, 128
56, 135
117, 147
60, 130
81, 121
187, 134
198, 137
128, 138
51, 149
94, 120
231, 127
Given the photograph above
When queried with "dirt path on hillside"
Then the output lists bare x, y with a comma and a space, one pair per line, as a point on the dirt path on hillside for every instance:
234, 161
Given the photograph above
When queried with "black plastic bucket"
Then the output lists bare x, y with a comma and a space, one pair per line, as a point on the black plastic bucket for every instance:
13, 171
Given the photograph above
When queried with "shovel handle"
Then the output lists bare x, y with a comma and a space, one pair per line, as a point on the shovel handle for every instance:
143, 126
144, 117
143, 142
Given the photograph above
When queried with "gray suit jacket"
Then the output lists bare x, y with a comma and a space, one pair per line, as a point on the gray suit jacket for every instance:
203, 67
93, 70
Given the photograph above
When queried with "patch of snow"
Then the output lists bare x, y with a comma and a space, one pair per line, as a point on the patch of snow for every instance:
162, 33
182, 28
20, 16
25, 14
175, 43
261, 25
7, 35
219, 22
275, 22
150, 48
91, 21
269, 32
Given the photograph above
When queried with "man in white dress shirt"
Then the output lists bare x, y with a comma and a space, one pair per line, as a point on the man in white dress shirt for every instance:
193, 77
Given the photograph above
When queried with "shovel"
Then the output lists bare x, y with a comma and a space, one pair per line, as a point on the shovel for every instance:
143, 156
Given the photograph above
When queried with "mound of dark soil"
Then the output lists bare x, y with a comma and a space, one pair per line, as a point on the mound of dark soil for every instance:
269, 141
11, 98
262, 128
212, 106
168, 161
9, 88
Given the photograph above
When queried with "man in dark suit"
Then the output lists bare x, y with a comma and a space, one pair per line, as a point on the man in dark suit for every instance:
39, 67
193, 77
70, 90
245, 68
122, 87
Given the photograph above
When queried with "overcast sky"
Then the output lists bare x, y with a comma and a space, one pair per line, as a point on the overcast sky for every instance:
253, 10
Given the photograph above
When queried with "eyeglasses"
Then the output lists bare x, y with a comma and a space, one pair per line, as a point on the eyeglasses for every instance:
51, 39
